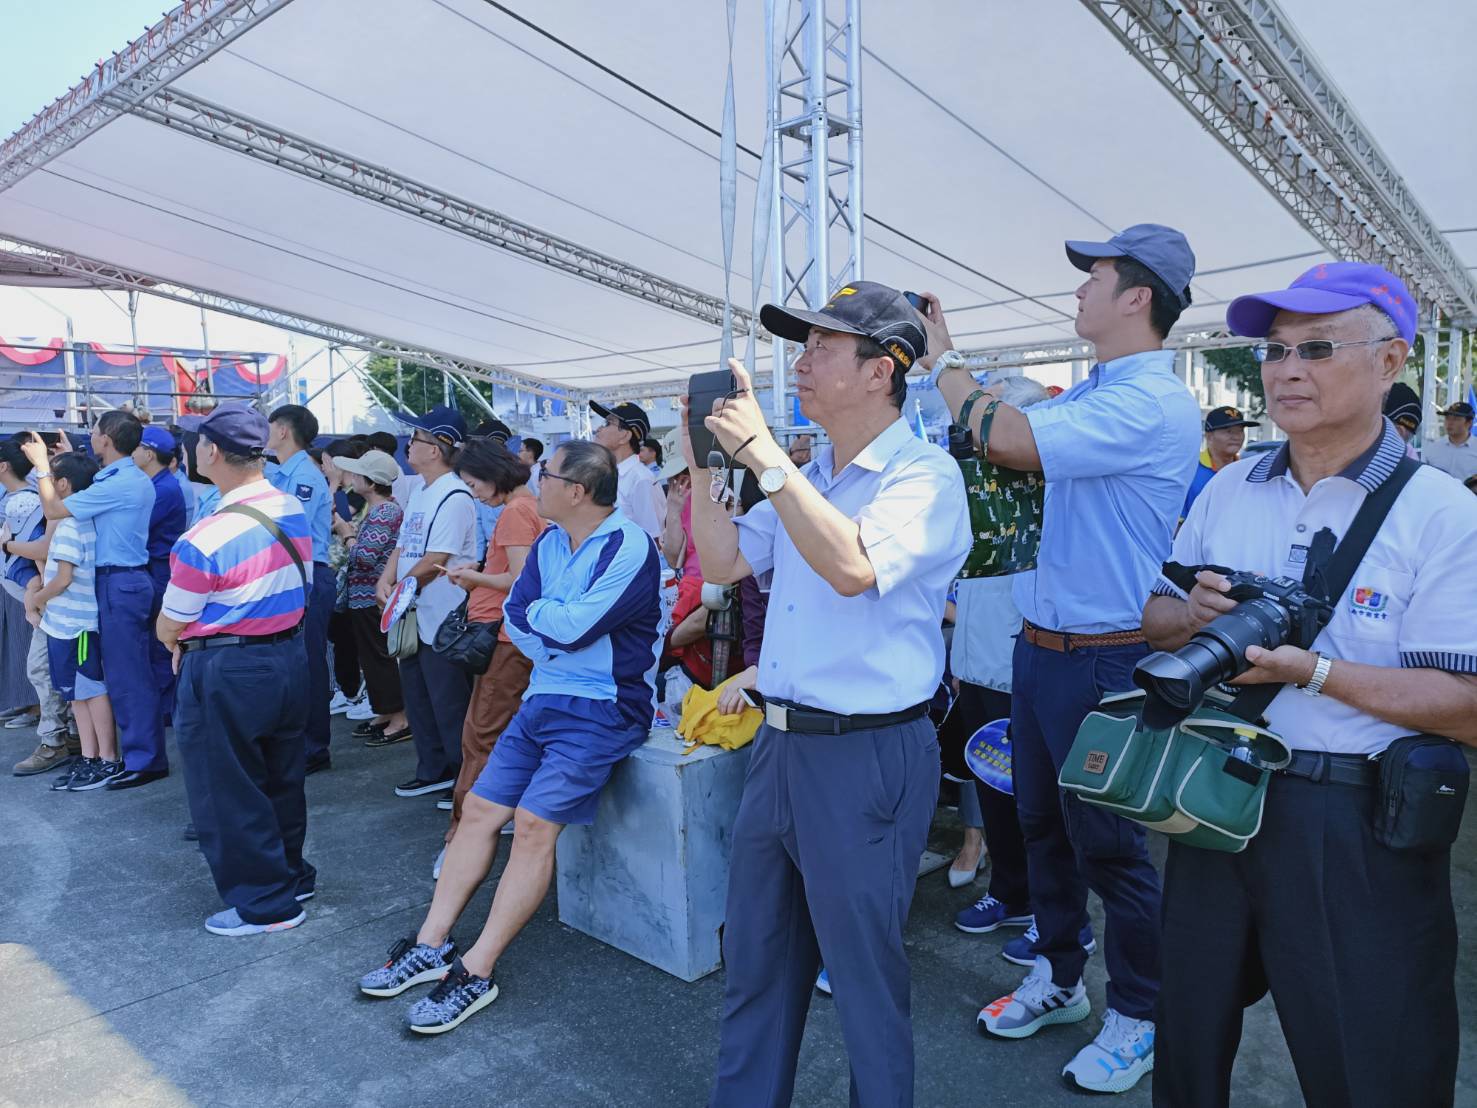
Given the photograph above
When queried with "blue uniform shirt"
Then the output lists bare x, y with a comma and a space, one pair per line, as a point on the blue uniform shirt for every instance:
1118, 451
119, 502
206, 504
168, 520
1203, 474
302, 478
187, 490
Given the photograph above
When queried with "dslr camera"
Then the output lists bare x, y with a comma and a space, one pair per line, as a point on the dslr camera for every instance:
1270, 611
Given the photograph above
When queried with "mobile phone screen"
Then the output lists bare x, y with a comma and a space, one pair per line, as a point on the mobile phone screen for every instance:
703, 389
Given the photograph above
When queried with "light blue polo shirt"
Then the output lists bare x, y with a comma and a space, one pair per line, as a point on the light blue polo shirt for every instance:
300, 476
1118, 451
119, 502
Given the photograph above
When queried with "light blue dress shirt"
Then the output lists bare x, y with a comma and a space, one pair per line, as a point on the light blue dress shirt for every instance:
882, 651
206, 504
188, 491
300, 476
119, 502
1118, 451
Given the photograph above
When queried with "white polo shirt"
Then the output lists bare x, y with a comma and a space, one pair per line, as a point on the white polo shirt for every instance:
1459, 461
883, 651
640, 498
1411, 601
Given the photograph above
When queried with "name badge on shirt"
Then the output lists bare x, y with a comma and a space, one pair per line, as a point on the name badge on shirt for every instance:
305, 493
1298, 555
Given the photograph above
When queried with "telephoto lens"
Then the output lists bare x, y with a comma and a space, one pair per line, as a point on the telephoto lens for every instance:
1177, 682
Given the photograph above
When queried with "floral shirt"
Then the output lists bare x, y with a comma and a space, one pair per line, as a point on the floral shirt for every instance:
378, 535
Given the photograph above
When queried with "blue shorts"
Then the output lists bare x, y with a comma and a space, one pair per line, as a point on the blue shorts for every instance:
76, 679
556, 755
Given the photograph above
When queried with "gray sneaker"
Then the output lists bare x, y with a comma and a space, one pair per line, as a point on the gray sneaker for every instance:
411, 963
43, 759
459, 996
1035, 1004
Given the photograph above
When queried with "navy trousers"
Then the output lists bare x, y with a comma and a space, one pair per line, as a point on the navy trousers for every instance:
239, 722
1072, 847
825, 857
1356, 942
436, 697
125, 599
160, 660
315, 641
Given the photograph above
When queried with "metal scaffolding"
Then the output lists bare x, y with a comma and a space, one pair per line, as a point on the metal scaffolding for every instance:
1246, 74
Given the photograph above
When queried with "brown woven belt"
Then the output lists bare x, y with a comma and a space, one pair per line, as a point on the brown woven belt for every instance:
1062, 642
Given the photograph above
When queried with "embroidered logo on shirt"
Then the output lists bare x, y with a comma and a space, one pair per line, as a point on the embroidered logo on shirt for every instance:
1298, 555
1369, 604
305, 492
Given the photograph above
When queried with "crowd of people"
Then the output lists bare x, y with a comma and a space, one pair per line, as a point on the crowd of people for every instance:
519, 617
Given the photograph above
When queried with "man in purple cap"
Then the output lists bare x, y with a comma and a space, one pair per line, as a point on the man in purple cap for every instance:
1118, 452
1355, 939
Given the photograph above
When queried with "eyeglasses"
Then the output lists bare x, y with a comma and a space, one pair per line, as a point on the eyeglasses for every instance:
1314, 350
561, 477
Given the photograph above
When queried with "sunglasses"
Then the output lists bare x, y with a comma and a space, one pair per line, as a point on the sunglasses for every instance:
1314, 350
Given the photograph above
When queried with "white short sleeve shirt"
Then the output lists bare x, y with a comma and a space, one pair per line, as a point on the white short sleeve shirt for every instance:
450, 530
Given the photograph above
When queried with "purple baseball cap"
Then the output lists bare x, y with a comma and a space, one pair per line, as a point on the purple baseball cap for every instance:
1327, 288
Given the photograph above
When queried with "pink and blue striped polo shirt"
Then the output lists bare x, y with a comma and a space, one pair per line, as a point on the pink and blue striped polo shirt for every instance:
228, 575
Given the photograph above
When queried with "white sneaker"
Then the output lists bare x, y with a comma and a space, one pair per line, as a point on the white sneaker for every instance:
339, 704
1036, 1003
1114, 1061
360, 710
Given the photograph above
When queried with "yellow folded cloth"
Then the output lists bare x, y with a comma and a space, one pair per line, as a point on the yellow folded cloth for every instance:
703, 724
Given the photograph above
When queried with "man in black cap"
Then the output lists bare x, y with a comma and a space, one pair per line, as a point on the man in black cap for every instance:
242, 702
1225, 434
842, 785
640, 499
1457, 453
1403, 408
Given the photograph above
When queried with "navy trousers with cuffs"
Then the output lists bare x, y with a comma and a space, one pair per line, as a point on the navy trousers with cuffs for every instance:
1356, 943
825, 858
436, 697
125, 599
1071, 846
239, 721
315, 641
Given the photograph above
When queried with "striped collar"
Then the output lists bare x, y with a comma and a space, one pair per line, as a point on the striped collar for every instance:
1370, 469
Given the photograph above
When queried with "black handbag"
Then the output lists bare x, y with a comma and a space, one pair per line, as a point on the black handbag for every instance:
1422, 791
465, 643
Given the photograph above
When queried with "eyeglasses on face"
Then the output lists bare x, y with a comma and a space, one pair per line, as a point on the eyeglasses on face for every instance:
1314, 350
560, 477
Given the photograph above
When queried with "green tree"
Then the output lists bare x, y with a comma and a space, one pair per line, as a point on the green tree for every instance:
1239, 365
422, 388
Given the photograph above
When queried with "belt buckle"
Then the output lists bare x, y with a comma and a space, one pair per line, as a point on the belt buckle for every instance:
777, 715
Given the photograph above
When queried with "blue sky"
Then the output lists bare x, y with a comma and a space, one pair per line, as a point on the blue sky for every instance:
53, 44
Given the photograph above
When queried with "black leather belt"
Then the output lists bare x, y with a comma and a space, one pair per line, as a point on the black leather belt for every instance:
1323, 768
209, 641
784, 715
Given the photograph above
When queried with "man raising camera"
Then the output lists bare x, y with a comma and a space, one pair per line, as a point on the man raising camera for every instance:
1355, 940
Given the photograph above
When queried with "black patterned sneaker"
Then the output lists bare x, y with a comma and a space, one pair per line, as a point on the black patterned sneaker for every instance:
80, 770
458, 996
96, 776
411, 963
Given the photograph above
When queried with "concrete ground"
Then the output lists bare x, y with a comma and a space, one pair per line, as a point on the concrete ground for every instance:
114, 994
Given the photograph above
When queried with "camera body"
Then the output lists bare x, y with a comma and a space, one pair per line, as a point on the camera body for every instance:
1270, 611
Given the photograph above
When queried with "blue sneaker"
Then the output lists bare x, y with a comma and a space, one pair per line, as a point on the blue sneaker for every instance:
1022, 951
1114, 1061
987, 913
231, 924
823, 982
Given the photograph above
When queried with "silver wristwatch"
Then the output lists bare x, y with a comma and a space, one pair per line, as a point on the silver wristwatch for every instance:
773, 479
1314, 687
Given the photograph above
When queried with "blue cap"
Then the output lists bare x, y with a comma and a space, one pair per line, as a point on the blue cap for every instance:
237, 429
1162, 250
444, 423
158, 438
1327, 288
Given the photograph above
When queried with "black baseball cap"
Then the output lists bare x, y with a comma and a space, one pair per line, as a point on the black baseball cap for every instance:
1461, 408
863, 308
1402, 405
631, 416
1218, 419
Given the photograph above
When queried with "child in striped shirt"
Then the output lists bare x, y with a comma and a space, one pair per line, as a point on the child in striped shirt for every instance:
63, 603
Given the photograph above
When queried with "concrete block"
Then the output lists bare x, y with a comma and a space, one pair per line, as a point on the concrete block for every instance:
650, 875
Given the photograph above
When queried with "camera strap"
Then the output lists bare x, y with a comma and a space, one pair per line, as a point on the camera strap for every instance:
1329, 579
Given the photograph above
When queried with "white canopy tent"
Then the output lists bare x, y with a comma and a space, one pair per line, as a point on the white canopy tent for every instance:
532, 196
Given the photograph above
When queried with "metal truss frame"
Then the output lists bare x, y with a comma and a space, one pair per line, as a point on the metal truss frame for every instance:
265, 142
183, 39
104, 275
1242, 69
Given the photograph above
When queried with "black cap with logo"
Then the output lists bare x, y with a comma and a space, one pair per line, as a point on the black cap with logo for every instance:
632, 417
864, 308
1218, 419
1461, 408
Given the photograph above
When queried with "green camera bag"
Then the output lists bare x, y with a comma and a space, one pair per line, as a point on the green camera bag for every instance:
1005, 509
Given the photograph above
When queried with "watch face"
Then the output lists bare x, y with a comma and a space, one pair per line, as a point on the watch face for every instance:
772, 479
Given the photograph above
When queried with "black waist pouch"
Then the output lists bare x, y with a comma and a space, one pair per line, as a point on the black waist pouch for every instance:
1422, 791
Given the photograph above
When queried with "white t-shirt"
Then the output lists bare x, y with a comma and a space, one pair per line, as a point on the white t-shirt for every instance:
406, 486
447, 508
640, 498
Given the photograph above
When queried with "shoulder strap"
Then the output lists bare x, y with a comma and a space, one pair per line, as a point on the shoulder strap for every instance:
271, 525
1250, 705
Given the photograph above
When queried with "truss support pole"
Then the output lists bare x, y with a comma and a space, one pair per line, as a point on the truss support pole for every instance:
815, 114
1456, 367
1428, 379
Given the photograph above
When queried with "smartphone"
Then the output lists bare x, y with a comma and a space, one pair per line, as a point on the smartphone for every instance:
52, 439
703, 390
917, 301
752, 698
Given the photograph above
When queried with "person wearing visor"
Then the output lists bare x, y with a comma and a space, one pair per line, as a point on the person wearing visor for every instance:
1225, 435
232, 619
1353, 935
1118, 453
1456, 454
863, 543
640, 499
